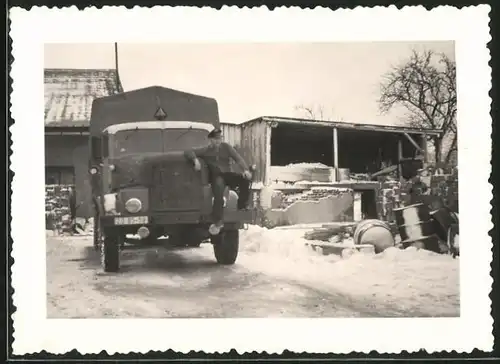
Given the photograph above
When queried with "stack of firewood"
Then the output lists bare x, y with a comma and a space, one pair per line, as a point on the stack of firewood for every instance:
57, 206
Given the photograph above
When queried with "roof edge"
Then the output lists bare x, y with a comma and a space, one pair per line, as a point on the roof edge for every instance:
345, 125
80, 69
156, 86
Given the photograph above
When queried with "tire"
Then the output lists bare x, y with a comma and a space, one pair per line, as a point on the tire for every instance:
110, 252
226, 245
97, 233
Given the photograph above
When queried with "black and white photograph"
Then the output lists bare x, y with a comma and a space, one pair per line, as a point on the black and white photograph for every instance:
255, 179
145, 155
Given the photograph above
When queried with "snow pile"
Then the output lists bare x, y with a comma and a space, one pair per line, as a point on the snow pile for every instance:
404, 282
278, 244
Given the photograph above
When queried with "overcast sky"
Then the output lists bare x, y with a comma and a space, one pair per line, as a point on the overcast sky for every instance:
257, 79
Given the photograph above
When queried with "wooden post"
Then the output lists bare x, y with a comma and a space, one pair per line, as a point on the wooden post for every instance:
336, 152
400, 159
357, 207
424, 150
266, 173
415, 144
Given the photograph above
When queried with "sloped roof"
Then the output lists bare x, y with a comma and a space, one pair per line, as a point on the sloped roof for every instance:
69, 94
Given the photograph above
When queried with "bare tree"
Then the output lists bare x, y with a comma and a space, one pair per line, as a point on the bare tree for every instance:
316, 113
310, 112
425, 85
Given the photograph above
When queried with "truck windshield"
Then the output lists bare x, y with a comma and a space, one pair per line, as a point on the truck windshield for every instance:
156, 140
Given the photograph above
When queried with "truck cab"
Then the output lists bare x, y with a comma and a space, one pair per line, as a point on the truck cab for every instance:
142, 183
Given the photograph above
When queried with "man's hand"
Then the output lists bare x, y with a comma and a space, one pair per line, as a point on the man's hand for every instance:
197, 165
247, 175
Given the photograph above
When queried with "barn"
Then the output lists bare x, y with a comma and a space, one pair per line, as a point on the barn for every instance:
327, 166
68, 101
272, 143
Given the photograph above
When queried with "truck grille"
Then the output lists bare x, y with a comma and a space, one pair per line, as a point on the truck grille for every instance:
176, 186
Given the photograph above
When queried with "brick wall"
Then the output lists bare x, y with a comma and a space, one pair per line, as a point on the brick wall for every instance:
316, 205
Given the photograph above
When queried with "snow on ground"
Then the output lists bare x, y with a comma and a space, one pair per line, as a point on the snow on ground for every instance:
408, 280
394, 283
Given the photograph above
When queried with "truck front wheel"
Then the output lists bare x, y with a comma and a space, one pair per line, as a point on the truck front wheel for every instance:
226, 245
110, 251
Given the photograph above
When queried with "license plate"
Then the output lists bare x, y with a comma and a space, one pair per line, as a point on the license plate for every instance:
131, 220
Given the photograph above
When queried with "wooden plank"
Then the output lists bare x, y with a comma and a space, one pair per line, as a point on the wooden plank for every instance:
341, 249
267, 152
425, 150
339, 245
415, 144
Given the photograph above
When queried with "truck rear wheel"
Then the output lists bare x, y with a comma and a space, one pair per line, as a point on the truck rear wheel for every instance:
226, 245
110, 252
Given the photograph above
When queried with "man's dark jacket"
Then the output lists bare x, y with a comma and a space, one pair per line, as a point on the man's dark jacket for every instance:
217, 158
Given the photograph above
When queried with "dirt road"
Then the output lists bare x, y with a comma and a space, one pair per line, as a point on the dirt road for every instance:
171, 283
159, 282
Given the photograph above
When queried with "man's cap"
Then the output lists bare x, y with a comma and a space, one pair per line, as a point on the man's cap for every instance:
215, 133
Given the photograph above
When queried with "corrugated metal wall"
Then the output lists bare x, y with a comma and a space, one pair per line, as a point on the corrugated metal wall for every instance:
255, 137
231, 134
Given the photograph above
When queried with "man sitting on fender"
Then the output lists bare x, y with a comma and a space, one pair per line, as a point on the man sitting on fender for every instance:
217, 155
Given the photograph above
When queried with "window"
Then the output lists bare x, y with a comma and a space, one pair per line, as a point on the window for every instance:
96, 149
59, 176
105, 146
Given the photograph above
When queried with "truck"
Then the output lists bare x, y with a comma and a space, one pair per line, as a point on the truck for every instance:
141, 182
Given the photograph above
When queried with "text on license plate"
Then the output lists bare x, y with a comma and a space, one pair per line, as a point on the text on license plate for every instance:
131, 220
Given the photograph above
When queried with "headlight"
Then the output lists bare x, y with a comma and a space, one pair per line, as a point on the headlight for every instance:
133, 205
110, 202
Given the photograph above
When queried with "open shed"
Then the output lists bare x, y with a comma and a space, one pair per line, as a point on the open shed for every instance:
272, 143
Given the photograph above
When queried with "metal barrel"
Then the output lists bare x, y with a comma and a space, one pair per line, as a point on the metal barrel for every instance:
416, 227
374, 232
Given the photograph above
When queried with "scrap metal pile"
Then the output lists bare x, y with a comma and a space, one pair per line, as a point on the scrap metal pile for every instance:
424, 218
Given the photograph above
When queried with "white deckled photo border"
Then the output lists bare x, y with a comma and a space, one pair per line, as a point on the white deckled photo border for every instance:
468, 27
